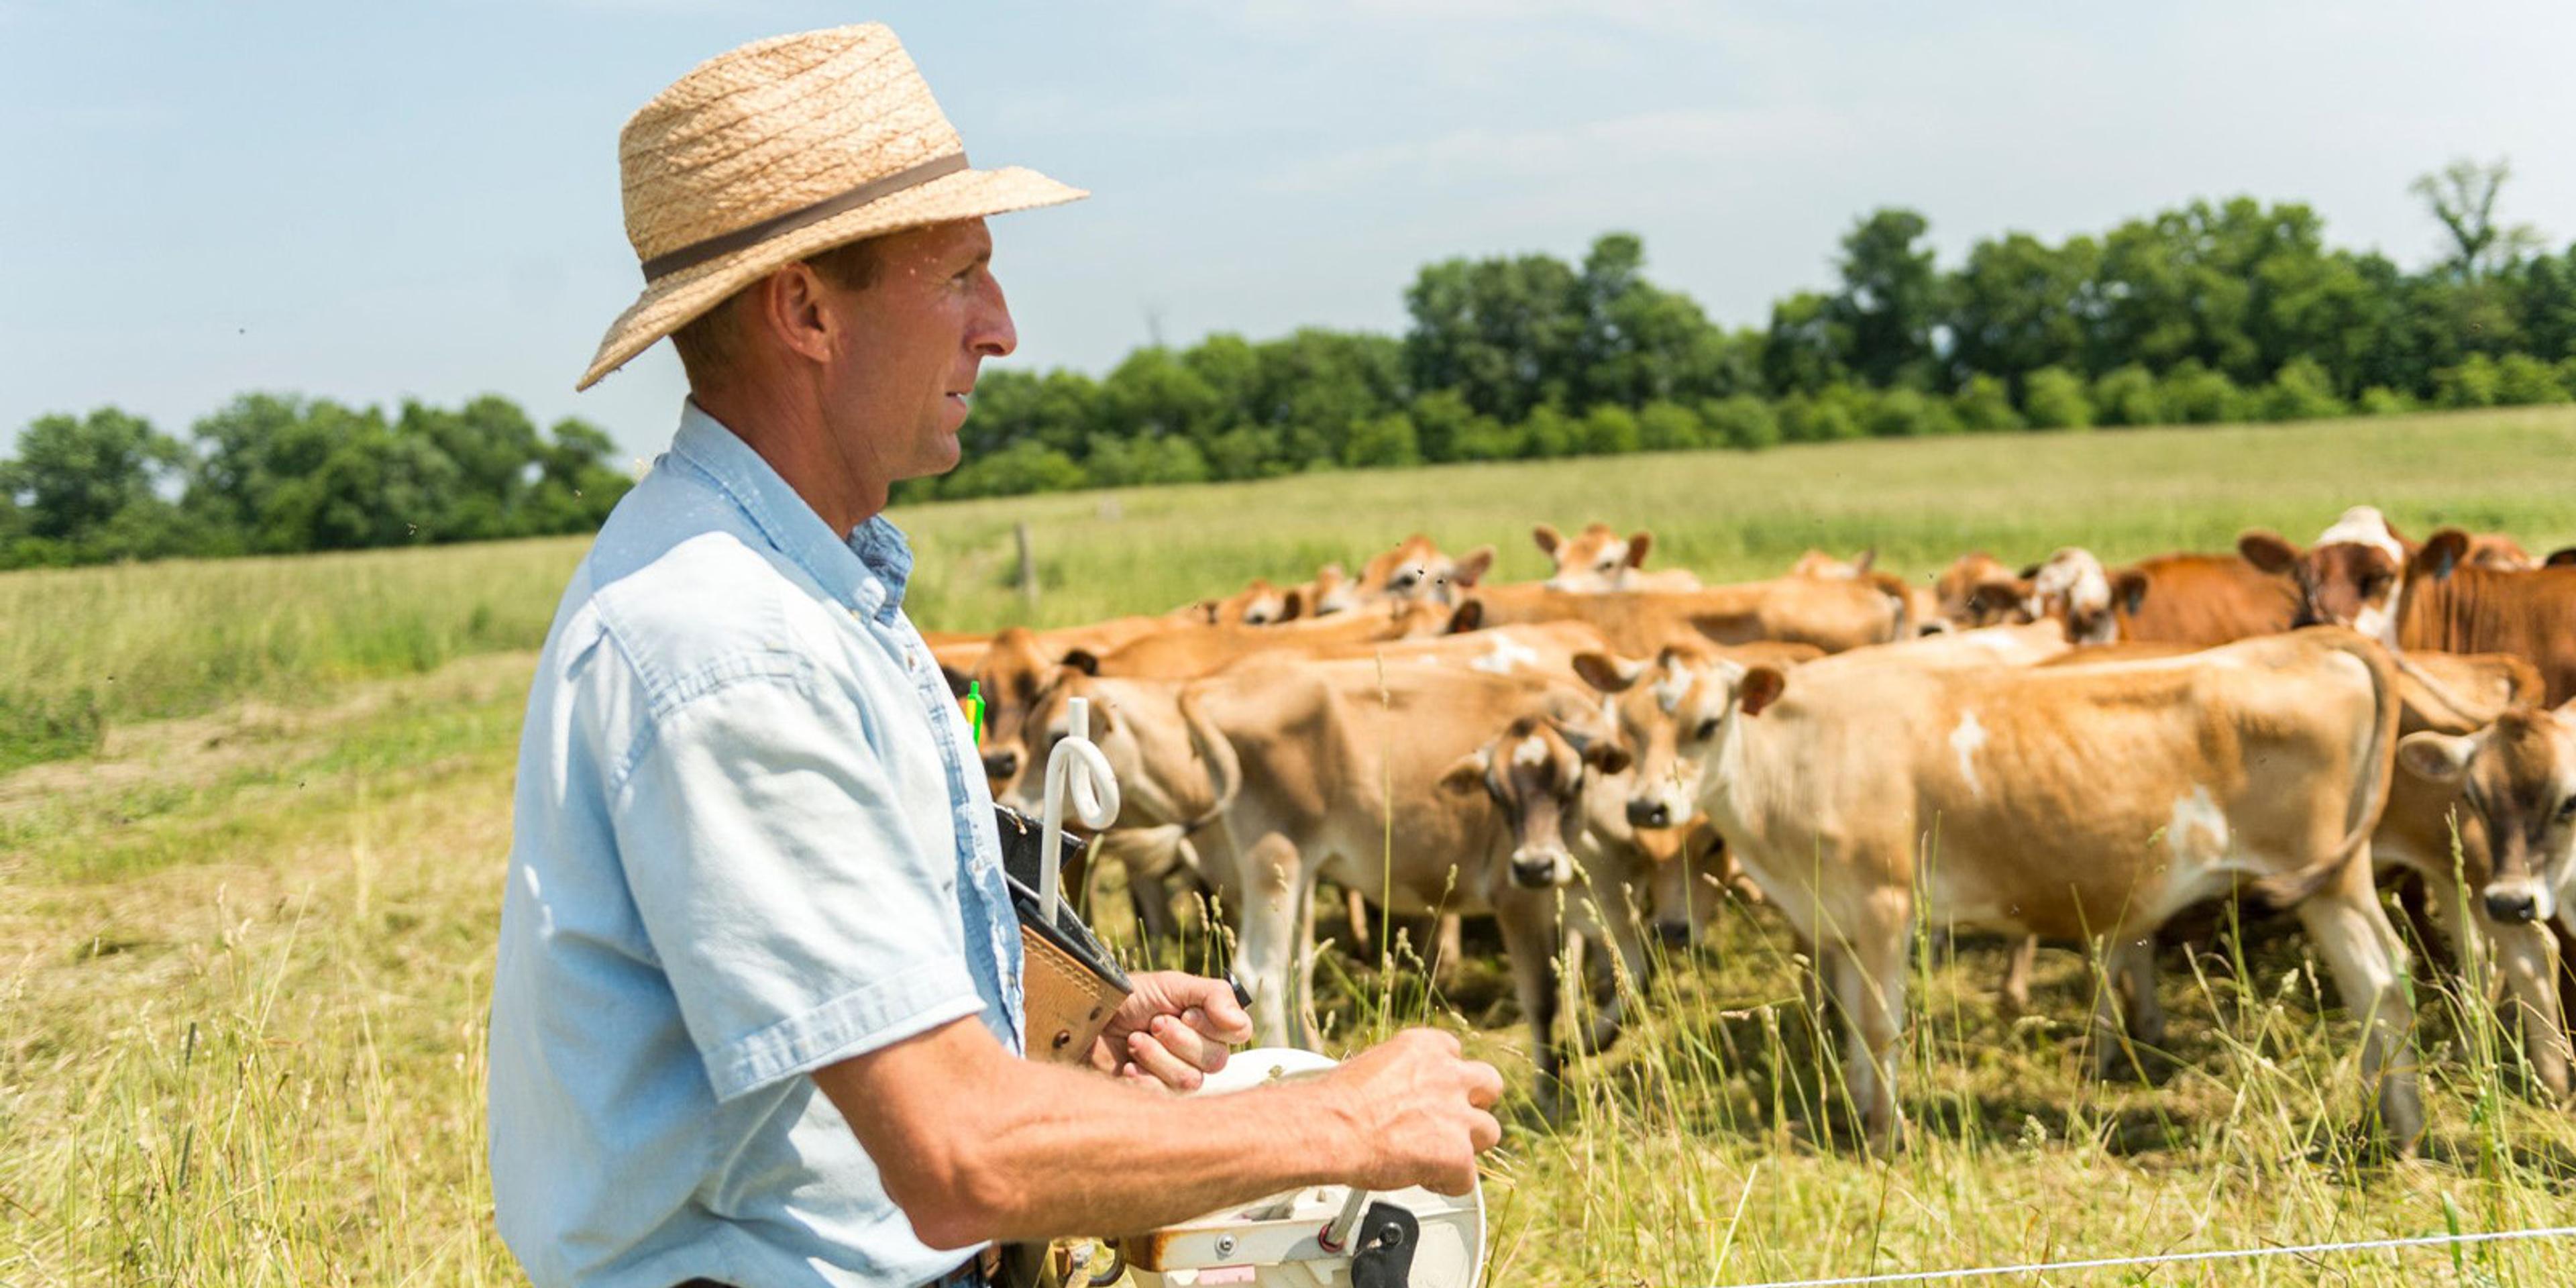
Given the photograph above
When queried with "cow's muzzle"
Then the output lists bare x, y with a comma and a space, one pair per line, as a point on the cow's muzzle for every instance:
1673, 934
2515, 902
1002, 766
1649, 813
1542, 869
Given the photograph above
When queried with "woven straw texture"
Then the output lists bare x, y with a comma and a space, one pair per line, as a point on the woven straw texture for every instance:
772, 128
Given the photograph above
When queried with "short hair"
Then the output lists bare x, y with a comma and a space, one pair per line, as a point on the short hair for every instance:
711, 344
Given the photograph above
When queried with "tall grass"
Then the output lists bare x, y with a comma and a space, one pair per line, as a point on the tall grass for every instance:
242, 1000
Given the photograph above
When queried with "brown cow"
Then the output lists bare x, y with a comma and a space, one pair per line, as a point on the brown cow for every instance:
1831, 615
2066, 801
1417, 569
2194, 600
1598, 559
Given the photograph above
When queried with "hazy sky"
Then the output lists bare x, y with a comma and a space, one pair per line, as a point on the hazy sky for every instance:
369, 201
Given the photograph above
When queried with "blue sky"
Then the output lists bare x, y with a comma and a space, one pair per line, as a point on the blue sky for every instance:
372, 201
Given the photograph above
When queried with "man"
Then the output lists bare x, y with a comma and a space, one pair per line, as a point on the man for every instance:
756, 1018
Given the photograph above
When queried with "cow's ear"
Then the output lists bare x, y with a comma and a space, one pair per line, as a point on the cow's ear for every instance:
1759, 688
2128, 590
1638, 545
1867, 558
1606, 755
1606, 672
1292, 605
1464, 775
2435, 757
1998, 596
1083, 660
2269, 551
2560, 557
1472, 567
2443, 550
957, 679
2030, 573
1466, 617
1548, 538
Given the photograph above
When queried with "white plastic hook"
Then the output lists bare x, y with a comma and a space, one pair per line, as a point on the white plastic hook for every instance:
1075, 763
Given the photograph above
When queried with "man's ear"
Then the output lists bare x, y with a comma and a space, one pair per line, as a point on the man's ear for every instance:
2128, 590
1083, 660
793, 306
1759, 688
2442, 552
1639, 543
1471, 567
1465, 774
2269, 551
1607, 673
1548, 538
2436, 757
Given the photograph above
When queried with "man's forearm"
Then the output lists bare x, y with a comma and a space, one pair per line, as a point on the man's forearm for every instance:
975, 1144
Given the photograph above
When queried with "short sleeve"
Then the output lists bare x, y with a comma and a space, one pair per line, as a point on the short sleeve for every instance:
797, 915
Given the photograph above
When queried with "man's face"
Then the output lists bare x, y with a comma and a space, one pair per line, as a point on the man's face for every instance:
917, 334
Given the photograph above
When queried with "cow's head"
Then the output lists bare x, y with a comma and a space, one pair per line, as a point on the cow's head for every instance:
1535, 772
1674, 713
1817, 563
1417, 569
1011, 675
2355, 575
1978, 590
2074, 588
1045, 720
2518, 776
1259, 604
1332, 591
1595, 560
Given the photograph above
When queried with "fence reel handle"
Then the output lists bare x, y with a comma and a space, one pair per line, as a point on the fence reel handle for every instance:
1074, 768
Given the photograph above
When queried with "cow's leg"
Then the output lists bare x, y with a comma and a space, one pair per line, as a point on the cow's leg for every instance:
1448, 950
1529, 933
1866, 974
1357, 907
1266, 955
2017, 972
2526, 955
1626, 928
2126, 1015
2349, 929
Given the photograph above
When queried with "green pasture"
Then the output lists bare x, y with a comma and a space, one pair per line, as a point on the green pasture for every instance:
252, 818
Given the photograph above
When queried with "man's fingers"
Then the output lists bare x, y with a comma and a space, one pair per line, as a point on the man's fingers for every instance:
1220, 1016
1187, 1043
1484, 1084
1483, 1131
1170, 1069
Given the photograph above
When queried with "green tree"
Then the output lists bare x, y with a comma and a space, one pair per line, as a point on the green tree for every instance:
77, 476
2462, 198
2019, 304
1890, 299
1741, 421
2196, 395
2302, 391
1610, 430
2522, 380
1507, 334
1669, 427
1382, 442
1984, 406
2129, 396
2053, 398
1803, 351
2470, 384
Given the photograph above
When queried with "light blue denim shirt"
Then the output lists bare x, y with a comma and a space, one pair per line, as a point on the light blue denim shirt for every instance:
750, 842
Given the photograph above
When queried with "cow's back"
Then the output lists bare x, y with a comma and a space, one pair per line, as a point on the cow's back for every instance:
2207, 600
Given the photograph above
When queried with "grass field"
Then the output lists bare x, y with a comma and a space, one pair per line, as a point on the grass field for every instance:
252, 816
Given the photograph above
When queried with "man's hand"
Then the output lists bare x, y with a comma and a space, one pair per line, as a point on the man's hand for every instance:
1422, 1109
1172, 1032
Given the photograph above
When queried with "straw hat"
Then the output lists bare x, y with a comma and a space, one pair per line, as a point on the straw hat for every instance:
780, 150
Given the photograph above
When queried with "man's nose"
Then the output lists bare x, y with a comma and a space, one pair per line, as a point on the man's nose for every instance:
2512, 907
996, 337
1002, 764
1649, 814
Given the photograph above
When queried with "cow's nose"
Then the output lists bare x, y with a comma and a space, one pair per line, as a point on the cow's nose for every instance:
1534, 871
2512, 907
1001, 764
1649, 814
1674, 934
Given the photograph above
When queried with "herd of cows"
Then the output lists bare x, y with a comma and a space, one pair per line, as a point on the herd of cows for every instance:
2064, 752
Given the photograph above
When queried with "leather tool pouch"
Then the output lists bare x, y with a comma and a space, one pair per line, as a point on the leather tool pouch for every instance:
1069, 986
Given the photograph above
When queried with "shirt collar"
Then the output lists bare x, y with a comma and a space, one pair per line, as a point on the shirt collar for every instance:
868, 572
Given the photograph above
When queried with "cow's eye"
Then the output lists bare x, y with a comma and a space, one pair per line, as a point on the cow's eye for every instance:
1707, 730
2567, 809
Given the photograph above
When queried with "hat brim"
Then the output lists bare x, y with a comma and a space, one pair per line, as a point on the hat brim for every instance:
674, 301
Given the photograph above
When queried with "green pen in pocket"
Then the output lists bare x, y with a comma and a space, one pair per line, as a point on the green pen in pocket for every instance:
973, 702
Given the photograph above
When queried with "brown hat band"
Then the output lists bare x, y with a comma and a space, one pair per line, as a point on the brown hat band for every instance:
742, 238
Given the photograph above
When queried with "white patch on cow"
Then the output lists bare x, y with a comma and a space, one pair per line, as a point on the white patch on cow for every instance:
1673, 686
1966, 740
2364, 525
1610, 710
2197, 833
1506, 657
2075, 577
1532, 752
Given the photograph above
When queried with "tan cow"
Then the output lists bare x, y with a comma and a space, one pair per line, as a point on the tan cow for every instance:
1598, 559
2515, 782
1977, 589
1258, 604
2189, 599
1312, 770
1830, 615
959, 652
2068, 802
1417, 569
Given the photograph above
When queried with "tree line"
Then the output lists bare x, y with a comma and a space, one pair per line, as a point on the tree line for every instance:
277, 474
2215, 311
